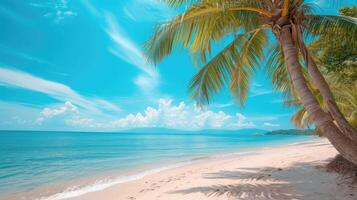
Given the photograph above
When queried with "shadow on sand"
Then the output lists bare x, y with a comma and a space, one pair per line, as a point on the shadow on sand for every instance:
257, 183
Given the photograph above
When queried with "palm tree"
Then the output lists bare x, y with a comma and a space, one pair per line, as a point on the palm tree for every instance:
346, 99
253, 26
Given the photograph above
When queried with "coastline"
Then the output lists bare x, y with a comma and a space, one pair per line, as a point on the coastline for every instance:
274, 170
45, 183
289, 172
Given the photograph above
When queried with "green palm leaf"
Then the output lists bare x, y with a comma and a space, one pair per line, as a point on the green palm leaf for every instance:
203, 23
331, 25
251, 55
178, 3
234, 63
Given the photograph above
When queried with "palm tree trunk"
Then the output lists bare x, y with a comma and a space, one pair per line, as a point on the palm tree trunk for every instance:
345, 146
327, 95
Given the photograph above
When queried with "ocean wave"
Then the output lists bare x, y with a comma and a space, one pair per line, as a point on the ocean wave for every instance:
99, 185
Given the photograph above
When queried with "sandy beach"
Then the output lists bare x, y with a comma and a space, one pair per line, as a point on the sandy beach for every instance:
287, 173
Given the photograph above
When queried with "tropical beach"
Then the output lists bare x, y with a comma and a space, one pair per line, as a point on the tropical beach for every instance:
292, 172
178, 99
296, 171
294, 168
112, 159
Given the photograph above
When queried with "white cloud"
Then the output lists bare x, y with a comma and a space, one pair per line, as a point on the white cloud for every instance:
124, 48
68, 107
166, 113
71, 116
169, 115
243, 121
15, 78
48, 113
271, 124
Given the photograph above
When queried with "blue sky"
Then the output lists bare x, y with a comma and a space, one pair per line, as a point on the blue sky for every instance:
79, 65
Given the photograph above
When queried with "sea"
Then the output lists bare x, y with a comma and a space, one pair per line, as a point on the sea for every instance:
59, 165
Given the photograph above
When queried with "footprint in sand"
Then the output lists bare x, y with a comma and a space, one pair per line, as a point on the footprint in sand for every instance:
143, 190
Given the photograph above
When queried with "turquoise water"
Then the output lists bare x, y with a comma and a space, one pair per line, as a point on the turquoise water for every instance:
30, 160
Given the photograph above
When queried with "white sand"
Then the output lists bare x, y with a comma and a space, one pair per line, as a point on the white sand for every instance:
286, 173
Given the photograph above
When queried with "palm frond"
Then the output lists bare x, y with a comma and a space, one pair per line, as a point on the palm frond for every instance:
301, 119
178, 3
211, 78
201, 24
329, 25
276, 70
251, 55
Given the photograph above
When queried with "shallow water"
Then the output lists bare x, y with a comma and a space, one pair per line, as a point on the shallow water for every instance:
33, 160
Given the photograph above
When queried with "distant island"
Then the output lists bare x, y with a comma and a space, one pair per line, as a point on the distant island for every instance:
158, 130
203, 131
292, 132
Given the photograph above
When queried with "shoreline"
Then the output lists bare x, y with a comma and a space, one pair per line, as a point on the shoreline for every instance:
241, 176
80, 186
140, 177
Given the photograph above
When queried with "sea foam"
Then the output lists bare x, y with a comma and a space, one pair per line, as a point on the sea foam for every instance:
103, 184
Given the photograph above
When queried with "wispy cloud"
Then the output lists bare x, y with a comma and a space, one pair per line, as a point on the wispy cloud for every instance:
129, 14
221, 105
91, 8
57, 10
259, 90
147, 10
22, 55
125, 49
20, 79
269, 117
17, 17
271, 124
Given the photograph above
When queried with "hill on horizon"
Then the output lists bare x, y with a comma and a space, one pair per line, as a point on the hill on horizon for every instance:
168, 130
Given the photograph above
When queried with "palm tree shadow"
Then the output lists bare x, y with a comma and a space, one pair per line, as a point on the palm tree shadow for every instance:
245, 191
251, 184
